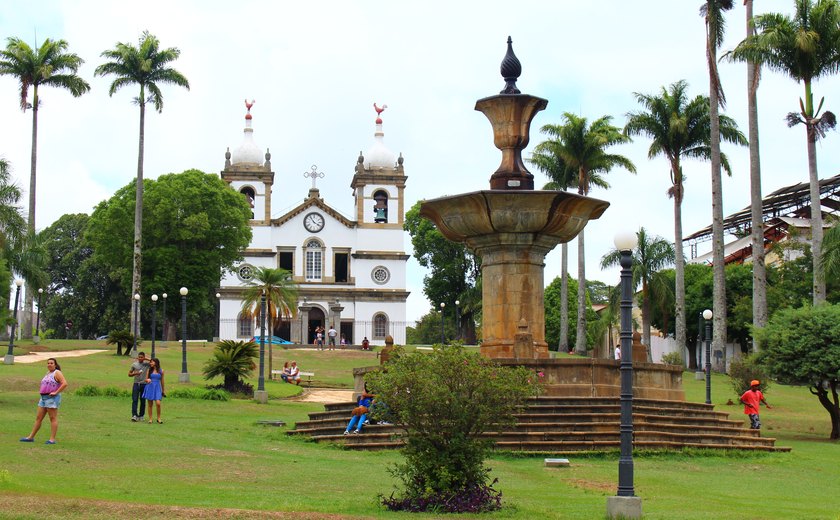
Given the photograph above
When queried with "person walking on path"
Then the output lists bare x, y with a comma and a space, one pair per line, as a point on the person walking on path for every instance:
154, 391
751, 399
332, 334
51, 387
140, 372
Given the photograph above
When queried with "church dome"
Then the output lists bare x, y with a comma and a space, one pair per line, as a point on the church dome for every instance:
248, 152
378, 156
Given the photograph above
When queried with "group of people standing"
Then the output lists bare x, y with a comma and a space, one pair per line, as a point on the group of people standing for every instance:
331, 336
148, 387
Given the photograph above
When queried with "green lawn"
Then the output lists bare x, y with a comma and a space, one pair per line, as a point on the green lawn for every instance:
211, 455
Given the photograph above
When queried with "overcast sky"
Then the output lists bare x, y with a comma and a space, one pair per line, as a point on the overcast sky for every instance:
315, 68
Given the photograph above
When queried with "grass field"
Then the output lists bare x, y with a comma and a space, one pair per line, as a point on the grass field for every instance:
211, 459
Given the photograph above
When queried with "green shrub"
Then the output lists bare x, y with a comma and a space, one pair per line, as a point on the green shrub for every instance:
108, 391
123, 339
113, 391
211, 394
88, 391
744, 370
672, 358
233, 360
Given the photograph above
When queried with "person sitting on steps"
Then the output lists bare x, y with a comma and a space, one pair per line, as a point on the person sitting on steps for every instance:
357, 421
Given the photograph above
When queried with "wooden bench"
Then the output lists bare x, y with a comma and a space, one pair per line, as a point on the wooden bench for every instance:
308, 375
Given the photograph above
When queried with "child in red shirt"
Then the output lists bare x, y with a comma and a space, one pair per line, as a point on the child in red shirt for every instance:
751, 400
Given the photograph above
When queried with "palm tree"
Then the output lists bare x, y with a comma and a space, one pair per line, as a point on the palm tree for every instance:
562, 178
806, 47
48, 65
651, 255
145, 65
679, 127
830, 260
281, 296
233, 360
759, 302
712, 12
12, 223
582, 148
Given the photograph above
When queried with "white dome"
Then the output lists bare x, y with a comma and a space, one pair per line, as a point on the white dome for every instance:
248, 152
379, 156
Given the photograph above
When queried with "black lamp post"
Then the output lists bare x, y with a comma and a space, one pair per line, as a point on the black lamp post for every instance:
458, 318
136, 303
700, 339
184, 376
442, 333
218, 317
707, 315
163, 329
38, 321
154, 323
261, 395
10, 356
626, 242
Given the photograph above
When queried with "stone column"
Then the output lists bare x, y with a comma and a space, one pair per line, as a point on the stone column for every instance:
335, 319
301, 325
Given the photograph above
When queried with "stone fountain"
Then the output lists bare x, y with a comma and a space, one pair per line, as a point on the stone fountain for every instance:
511, 226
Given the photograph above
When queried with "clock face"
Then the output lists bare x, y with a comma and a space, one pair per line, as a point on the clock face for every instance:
313, 222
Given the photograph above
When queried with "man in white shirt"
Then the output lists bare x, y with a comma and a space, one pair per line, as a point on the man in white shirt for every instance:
332, 333
617, 353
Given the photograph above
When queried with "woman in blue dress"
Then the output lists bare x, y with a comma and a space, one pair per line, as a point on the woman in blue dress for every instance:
154, 391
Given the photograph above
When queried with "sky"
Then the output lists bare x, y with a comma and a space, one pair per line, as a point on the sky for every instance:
316, 68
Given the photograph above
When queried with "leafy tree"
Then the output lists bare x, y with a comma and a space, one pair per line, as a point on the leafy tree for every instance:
805, 47
743, 371
445, 401
234, 361
679, 128
147, 66
802, 346
281, 298
47, 65
427, 330
651, 255
583, 148
552, 298
598, 291
454, 271
195, 228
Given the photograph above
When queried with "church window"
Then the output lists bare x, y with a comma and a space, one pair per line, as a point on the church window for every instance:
342, 267
250, 196
380, 207
380, 275
380, 326
314, 261
246, 326
246, 272
287, 261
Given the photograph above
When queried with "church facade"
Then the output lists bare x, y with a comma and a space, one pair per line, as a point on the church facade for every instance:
350, 271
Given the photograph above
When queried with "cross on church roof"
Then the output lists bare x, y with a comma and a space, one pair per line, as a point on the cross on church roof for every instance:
315, 174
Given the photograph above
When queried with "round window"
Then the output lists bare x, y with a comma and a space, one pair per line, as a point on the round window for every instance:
246, 272
380, 275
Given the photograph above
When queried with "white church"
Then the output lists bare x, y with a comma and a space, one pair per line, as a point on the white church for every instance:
350, 272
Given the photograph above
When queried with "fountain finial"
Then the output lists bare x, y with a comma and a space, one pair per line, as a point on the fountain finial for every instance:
511, 69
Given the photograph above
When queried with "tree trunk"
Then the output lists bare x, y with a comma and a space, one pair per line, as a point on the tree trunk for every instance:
833, 407
646, 316
580, 340
756, 210
29, 290
719, 291
816, 201
679, 262
563, 346
138, 206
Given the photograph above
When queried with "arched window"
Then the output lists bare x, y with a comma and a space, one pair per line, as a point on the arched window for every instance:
250, 196
246, 326
380, 326
314, 261
380, 208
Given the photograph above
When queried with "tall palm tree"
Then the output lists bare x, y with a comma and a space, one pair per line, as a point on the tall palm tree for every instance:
679, 127
12, 223
712, 12
806, 47
146, 65
281, 296
759, 302
562, 178
652, 254
48, 65
583, 148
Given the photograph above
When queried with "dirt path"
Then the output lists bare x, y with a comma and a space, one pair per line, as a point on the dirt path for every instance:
36, 357
318, 395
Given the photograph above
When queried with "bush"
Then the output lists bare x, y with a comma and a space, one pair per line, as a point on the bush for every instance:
207, 394
744, 370
108, 391
88, 391
446, 400
123, 339
234, 361
672, 358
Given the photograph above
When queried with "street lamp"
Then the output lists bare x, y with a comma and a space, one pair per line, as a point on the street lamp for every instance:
218, 317
458, 319
261, 395
707, 315
136, 303
10, 357
37, 337
184, 376
442, 335
154, 324
626, 503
